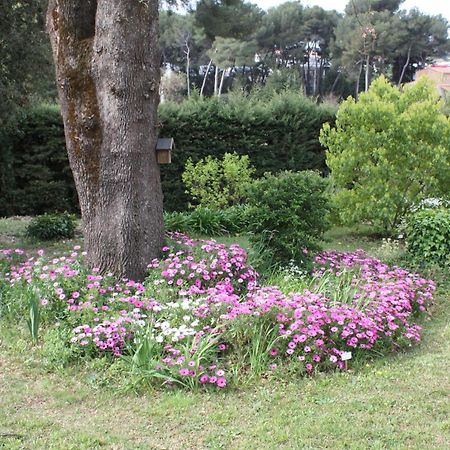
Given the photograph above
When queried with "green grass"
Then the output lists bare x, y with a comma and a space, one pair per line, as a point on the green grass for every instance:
395, 402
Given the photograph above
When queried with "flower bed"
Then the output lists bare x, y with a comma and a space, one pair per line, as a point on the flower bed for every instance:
201, 315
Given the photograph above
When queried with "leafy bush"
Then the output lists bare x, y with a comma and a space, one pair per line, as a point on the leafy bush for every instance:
218, 183
209, 222
387, 152
428, 235
288, 215
52, 226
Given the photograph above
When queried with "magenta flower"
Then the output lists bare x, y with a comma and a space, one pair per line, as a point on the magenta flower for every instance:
221, 382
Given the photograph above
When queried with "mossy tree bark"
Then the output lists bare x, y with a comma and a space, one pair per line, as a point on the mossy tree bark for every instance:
107, 69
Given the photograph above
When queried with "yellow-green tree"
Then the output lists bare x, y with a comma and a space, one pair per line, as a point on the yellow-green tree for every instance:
387, 151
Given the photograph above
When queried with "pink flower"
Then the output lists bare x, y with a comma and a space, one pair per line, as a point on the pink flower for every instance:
221, 382
184, 372
204, 379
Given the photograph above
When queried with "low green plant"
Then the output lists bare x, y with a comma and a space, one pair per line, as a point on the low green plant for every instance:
428, 235
210, 222
254, 339
288, 214
52, 226
34, 316
56, 350
218, 183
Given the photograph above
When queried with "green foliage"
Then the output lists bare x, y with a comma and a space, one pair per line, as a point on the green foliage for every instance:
288, 215
35, 176
26, 71
218, 183
388, 151
52, 226
209, 222
277, 132
428, 235
56, 350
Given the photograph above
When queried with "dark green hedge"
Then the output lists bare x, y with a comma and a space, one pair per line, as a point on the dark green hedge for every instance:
35, 174
278, 133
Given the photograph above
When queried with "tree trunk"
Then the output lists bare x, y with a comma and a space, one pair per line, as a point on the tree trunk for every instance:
216, 80
107, 69
333, 87
405, 66
187, 52
367, 74
358, 80
205, 77
219, 93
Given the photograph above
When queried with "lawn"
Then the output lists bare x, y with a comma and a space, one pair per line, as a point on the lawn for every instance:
394, 402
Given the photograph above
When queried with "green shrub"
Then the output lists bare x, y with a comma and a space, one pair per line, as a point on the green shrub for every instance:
52, 226
288, 215
428, 235
387, 152
209, 222
218, 183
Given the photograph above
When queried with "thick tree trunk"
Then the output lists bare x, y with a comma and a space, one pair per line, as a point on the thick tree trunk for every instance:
107, 68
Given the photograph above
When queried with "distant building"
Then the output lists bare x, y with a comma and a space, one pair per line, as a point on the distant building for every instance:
439, 74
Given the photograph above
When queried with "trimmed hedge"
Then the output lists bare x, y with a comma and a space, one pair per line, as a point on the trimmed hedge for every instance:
35, 173
278, 133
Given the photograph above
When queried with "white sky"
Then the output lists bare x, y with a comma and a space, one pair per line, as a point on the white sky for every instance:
432, 7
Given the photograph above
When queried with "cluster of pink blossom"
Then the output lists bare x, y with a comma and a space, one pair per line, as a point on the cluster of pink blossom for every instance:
199, 265
201, 289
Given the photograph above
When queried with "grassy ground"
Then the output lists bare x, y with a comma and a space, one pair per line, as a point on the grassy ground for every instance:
396, 402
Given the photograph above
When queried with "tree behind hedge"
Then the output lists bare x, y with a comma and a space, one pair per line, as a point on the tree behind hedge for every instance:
278, 132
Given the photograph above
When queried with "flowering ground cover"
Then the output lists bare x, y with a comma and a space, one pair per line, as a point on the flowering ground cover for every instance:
396, 401
201, 317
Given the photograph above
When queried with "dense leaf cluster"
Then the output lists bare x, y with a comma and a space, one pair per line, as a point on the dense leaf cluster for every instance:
288, 214
428, 235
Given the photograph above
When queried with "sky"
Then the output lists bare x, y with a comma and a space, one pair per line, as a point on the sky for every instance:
432, 7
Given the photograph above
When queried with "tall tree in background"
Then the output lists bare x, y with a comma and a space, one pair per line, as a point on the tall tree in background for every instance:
26, 74
417, 39
25, 56
107, 68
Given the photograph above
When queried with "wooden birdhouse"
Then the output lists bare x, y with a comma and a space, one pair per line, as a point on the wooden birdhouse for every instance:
164, 148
